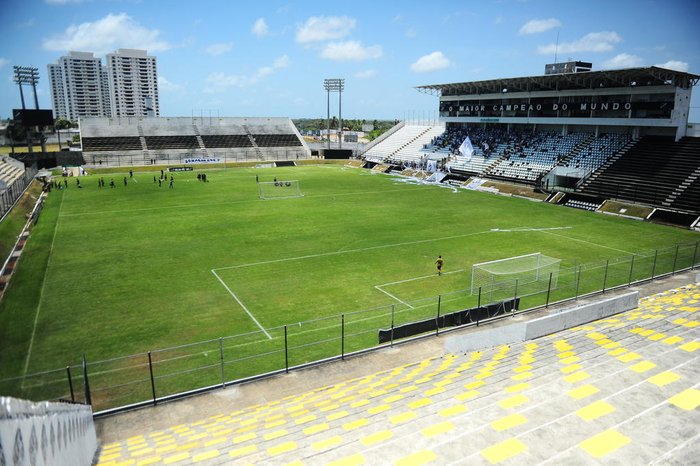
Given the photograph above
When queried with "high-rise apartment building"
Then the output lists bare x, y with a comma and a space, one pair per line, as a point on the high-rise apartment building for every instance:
127, 86
133, 83
78, 86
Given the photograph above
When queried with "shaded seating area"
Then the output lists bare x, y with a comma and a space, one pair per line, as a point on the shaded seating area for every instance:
276, 140
226, 140
116, 143
171, 142
656, 171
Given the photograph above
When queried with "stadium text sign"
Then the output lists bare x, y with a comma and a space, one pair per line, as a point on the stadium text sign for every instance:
203, 160
180, 169
583, 106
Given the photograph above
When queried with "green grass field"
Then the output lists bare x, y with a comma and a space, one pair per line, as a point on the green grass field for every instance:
113, 272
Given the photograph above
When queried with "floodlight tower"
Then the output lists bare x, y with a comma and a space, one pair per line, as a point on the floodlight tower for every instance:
27, 75
334, 85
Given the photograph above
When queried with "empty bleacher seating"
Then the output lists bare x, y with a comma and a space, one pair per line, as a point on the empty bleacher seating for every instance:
650, 173
117, 143
405, 146
171, 142
226, 140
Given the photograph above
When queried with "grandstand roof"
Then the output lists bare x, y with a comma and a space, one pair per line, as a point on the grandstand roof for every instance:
651, 76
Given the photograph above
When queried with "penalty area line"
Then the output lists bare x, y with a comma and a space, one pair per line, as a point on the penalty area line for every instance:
240, 303
379, 287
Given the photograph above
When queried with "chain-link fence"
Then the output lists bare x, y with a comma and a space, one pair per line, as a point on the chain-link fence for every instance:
151, 377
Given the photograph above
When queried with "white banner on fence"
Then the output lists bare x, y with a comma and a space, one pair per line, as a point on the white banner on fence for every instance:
203, 160
46, 433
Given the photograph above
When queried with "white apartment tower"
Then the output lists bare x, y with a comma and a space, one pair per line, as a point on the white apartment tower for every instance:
133, 83
78, 86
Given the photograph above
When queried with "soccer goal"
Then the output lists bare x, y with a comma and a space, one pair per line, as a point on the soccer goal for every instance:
279, 189
523, 275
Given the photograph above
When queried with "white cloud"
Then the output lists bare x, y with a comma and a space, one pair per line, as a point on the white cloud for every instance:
320, 28
366, 74
3, 62
623, 60
218, 82
675, 65
260, 28
351, 50
592, 42
431, 62
536, 26
167, 86
219, 49
106, 35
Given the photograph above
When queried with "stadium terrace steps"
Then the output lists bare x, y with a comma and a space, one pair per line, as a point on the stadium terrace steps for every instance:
405, 144
650, 173
112, 140
619, 390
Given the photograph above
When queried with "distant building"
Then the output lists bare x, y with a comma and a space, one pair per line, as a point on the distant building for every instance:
78, 86
133, 83
126, 86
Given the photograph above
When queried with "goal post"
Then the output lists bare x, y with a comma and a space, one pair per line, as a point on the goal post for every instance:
279, 189
529, 273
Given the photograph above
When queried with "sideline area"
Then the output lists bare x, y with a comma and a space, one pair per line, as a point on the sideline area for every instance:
622, 389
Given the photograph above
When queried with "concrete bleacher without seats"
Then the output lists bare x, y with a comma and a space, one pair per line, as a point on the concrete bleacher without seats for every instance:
405, 145
656, 171
163, 139
621, 390
10, 171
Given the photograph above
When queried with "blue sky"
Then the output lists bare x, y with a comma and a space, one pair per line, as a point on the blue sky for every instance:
234, 58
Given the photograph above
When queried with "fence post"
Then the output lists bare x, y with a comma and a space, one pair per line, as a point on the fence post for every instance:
515, 294
695, 255
653, 267
578, 282
86, 382
286, 351
549, 288
392, 326
342, 336
70, 384
153, 381
673, 270
605, 275
629, 280
437, 317
221, 355
479, 300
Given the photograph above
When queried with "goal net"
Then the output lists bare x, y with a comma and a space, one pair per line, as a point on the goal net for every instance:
279, 189
502, 279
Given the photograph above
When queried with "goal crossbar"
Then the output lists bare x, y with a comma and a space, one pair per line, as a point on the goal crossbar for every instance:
508, 272
284, 189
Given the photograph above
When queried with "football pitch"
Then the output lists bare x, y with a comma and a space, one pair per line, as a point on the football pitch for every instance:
111, 272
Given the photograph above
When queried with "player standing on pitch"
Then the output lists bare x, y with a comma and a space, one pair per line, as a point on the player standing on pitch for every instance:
439, 263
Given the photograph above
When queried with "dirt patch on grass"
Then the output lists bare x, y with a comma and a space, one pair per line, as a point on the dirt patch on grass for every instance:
629, 210
515, 189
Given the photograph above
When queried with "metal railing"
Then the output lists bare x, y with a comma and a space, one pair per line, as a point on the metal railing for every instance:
151, 377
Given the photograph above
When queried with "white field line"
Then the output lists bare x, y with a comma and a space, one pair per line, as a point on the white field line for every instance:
418, 278
586, 242
349, 251
379, 287
241, 304
41, 292
394, 297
